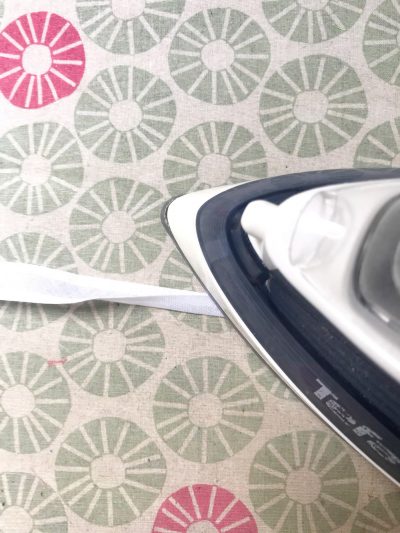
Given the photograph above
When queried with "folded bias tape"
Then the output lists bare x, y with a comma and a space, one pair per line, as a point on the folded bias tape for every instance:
20, 282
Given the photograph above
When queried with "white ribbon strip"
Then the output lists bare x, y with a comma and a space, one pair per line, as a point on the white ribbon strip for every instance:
20, 282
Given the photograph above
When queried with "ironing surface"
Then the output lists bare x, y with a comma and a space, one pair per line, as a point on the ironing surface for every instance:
118, 418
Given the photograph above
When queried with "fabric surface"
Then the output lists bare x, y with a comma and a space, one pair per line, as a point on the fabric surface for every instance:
121, 419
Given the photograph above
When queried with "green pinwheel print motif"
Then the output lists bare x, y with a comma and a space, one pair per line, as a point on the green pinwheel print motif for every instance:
207, 409
40, 168
313, 105
177, 274
115, 226
312, 21
268, 379
34, 403
379, 515
380, 146
29, 505
286, 465
128, 27
109, 471
125, 114
219, 56
35, 249
111, 349
214, 153
382, 42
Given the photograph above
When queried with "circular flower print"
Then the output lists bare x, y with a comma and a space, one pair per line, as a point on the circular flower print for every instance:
176, 274
219, 56
125, 114
109, 471
115, 226
111, 349
211, 154
128, 27
380, 146
313, 105
34, 403
286, 465
267, 378
34, 249
382, 42
379, 515
312, 21
207, 409
40, 168
28, 504
203, 509
42, 59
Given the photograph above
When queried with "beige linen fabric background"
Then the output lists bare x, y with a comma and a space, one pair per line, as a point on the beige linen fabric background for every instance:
116, 419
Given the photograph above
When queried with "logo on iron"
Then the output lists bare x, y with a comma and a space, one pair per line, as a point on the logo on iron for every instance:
362, 431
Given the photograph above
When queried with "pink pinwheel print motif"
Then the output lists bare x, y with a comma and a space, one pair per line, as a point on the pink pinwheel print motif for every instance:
42, 60
203, 509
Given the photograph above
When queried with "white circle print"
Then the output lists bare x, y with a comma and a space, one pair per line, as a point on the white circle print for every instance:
219, 56
128, 26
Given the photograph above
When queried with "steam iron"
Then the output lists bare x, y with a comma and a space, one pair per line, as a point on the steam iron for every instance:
307, 268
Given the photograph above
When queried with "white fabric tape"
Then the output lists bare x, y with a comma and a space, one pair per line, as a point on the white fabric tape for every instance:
20, 282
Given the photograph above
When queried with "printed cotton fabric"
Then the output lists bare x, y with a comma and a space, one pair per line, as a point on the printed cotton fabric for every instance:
122, 419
